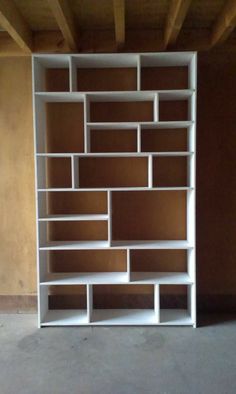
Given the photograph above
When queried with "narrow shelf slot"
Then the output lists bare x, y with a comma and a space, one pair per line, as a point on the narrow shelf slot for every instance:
121, 111
164, 140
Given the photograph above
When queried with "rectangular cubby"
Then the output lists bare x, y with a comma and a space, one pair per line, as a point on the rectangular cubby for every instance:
121, 111
74, 230
122, 304
164, 73
99, 172
65, 127
165, 266
65, 205
117, 73
53, 74
113, 140
170, 171
162, 214
164, 140
174, 304
54, 172
115, 147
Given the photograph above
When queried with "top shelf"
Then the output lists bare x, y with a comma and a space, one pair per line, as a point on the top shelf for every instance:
114, 72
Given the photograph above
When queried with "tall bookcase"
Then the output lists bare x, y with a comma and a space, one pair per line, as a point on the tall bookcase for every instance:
115, 148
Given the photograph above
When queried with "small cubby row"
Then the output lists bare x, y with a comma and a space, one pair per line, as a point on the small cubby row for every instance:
147, 171
127, 72
98, 123
116, 305
70, 267
133, 216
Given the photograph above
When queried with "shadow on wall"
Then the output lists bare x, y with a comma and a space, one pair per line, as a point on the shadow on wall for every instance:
216, 182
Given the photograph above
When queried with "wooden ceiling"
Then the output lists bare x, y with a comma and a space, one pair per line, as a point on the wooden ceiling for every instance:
115, 25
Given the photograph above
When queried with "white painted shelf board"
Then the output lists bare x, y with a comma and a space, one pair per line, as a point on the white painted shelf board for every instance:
123, 317
61, 317
147, 125
84, 217
119, 189
168, 278
153, 244
77, 278
77, 245
74, 245
174, 317
116, 154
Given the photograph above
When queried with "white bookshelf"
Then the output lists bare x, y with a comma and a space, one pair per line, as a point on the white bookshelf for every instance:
81, 174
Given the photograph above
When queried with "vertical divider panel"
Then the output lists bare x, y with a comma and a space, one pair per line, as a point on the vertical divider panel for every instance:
43, 304
86, 120
38, 76
139, 72
150, 171
139, 147
43, 265
72, 74
89, 303
157, 302
156, 107
128, 266
75, 171
109, 211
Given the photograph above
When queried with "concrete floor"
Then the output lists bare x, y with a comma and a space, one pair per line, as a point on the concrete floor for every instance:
117, 360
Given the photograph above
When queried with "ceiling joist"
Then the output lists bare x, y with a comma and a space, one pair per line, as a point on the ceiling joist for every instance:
119, 18
175, 19
13, 22
65, 21
225, 23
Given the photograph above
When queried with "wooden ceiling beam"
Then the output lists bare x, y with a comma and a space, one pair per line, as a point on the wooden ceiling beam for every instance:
175, 19
225, 23
119, 18
14, 24
64, 17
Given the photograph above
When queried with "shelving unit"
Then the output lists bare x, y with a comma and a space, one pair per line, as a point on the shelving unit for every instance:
115, 158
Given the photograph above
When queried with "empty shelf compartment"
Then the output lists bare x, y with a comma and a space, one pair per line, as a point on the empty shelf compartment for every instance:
123, 305
164, 140
174, 305
65, 127
98, 172
159, 266
170, 171
54, 74
113, 140
121, 111
148, 215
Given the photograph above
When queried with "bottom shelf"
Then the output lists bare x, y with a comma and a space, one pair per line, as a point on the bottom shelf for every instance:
119, 317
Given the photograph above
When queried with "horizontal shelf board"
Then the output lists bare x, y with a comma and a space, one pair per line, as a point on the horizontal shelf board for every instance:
116, 189
74, 245
153, 244
117, 317
175, 317
123, 317
61, 317
161, 278
73, 278
55, 218
115, 154
77, 245
135, 95
147, 125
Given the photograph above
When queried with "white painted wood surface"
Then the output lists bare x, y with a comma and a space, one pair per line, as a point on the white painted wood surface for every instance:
91, 316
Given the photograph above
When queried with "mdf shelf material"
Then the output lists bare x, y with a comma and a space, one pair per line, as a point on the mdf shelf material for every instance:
115, 147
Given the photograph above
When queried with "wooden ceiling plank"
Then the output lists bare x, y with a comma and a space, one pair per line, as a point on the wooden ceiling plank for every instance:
13, 22
64, 17
119, 18
225, 23
175, 19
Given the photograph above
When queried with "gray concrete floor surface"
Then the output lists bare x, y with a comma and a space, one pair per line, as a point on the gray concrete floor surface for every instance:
117, 360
